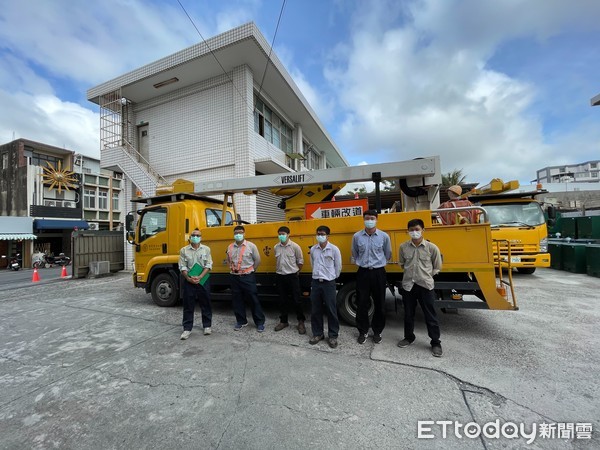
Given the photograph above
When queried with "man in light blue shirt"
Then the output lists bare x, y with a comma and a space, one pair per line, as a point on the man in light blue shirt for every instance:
371, 250
326, 261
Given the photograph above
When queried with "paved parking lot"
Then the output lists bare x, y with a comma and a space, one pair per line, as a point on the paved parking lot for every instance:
94, 364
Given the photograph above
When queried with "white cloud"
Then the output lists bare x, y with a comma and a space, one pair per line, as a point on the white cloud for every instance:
47, 119
422, 88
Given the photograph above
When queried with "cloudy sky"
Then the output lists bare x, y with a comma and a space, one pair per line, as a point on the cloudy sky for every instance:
496, 88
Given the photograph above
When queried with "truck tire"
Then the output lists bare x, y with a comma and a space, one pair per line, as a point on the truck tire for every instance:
526, 270
346, 303
164, 290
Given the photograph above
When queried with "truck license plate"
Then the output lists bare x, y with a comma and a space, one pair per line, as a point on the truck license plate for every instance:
515, 259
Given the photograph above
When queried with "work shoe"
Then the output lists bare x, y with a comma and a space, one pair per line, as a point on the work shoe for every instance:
404, 343
436, 350
315, 339
185, 335
333, 343
260, 328
301, 328
238, 326
281, 325
207, 331
377, 338
361, 338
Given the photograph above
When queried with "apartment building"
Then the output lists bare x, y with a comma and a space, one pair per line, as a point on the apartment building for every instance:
205, 113
586, 172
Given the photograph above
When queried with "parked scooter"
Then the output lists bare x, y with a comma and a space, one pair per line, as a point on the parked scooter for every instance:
14, 262
60, 260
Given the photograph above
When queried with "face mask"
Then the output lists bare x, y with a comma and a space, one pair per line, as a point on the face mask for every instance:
238, 237
415, 234
195, 239
283, 238
321, 239
370, 223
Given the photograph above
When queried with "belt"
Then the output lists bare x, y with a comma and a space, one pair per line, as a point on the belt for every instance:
371, 268
241, 274
322, 280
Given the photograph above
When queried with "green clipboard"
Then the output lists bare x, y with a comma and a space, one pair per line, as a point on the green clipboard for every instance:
197, 270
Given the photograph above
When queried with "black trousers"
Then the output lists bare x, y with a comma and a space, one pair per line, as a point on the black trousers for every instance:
322, 298
244, 290
289, 286
370, 284
191, 293
426, 299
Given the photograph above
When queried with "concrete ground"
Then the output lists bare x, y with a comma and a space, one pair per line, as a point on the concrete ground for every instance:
94, 364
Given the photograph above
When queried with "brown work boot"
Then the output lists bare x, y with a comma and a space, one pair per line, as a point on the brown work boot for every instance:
301, 327
315, 339
281, 325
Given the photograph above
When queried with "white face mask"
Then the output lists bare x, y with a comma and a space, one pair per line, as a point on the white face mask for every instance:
415, 234
321, 239
370, 223
238, 237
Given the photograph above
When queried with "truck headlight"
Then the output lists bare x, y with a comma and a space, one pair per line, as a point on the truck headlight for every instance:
544, 245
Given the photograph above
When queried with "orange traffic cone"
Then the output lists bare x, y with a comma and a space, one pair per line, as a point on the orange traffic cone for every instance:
63, 274
36, 276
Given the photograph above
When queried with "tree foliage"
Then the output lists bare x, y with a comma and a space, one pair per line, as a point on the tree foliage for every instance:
452, 178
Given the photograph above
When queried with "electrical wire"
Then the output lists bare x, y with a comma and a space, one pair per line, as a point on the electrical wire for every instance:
271, 49
214, 56
219, 62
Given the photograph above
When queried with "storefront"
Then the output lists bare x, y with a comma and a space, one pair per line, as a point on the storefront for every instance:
16, 237
54, 235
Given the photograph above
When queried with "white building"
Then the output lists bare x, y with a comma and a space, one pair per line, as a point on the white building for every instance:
100, 195
580, 173
202, 114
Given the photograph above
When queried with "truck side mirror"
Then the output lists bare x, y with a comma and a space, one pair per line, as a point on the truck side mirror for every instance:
551, 212
130, 236
129, 221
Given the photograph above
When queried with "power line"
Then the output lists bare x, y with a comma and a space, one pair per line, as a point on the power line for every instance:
271, 49
213, 54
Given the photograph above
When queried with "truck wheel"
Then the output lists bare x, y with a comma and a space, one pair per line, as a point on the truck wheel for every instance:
164, 290
526, 270
346, 303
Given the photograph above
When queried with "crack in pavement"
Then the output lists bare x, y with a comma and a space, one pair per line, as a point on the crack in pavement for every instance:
84, 368
148, 384
465, 386
305, 414
239, 394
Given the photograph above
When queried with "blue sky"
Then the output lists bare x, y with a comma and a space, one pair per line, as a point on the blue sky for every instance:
496, 88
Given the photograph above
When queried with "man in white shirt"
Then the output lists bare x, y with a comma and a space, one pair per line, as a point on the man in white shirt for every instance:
326, 261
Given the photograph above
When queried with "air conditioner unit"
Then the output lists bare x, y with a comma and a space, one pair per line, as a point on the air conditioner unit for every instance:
67, 204
93, 226
49, 203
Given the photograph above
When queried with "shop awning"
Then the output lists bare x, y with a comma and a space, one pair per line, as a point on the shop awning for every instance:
16, 236
59, 224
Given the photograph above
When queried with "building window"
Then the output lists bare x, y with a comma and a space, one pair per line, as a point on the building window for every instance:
102, 200
312, 157
115, 201
270, 126
89, 198
593, 165
39, 159
4, 161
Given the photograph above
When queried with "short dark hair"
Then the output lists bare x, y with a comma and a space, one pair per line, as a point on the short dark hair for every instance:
239, 228
324, 229
370, 212
415, 222
284, 229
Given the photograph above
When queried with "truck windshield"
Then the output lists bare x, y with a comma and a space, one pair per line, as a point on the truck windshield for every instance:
515, 214
214, 216
152, 222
